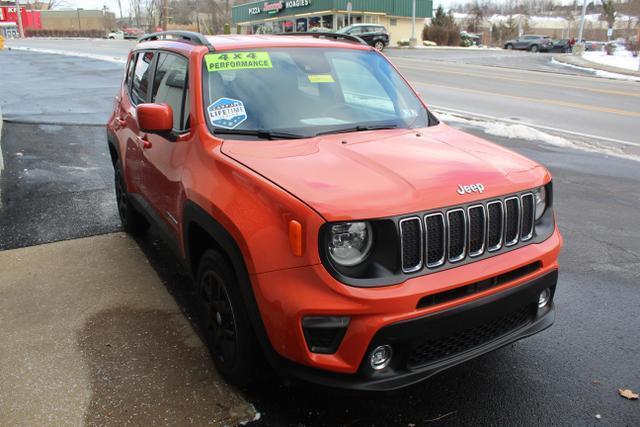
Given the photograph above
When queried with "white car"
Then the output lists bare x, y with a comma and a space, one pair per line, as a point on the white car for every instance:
117, 35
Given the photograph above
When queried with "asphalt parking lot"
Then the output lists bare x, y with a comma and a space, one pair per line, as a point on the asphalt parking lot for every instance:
56, 186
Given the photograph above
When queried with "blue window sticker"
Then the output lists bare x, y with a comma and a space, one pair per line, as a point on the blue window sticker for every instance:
227, 113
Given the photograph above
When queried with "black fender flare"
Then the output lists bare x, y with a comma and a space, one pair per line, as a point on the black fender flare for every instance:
112, 142
194, 214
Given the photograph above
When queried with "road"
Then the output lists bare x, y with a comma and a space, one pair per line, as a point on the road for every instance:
566, 375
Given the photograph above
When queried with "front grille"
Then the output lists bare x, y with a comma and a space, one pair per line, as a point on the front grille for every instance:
429, 350
457, 233
436, 250
411, 236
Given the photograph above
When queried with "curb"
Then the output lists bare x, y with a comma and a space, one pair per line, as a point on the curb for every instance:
579, 61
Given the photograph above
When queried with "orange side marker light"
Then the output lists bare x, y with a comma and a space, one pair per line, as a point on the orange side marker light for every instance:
295, 237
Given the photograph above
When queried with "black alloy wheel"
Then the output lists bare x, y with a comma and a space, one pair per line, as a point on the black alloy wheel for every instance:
225, 321
220, 322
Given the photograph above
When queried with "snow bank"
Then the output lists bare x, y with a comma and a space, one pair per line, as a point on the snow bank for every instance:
116, 59
528, 133
598, 73
620, 59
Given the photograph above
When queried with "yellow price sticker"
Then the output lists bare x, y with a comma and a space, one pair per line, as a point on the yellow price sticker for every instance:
321, 78
237, 61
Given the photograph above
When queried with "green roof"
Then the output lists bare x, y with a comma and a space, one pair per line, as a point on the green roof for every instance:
276, 8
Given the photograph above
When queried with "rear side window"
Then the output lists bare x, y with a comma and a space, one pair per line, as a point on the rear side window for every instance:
170, 87
141, 75
128, 76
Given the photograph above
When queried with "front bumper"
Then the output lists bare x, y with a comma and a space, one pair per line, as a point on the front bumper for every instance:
505, 318
390, 315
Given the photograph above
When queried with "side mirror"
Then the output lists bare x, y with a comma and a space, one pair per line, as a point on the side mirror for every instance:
155, 117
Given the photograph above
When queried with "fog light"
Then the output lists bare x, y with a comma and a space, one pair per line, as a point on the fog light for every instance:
543, 298
380, 357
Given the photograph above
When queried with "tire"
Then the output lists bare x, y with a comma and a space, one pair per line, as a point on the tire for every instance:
379, 45
534, 48
509, 47
227, 330
133, 222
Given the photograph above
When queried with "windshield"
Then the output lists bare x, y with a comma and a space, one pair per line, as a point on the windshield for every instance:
303, 92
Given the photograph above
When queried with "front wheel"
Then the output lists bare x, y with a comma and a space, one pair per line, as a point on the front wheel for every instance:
379, 45
227, 329
509, 47
534, 48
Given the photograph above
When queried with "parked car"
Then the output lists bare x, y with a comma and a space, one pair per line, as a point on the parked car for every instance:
530, 42
333, 226
375, 35
562, 46
132, 33
594, 46
119, 35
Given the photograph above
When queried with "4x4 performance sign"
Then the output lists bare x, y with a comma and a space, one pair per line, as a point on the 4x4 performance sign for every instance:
237, 61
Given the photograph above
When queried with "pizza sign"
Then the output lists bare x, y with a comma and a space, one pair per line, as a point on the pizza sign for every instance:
276, 7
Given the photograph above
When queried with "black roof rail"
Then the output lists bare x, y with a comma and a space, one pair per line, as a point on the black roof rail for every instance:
190, 36
326, 35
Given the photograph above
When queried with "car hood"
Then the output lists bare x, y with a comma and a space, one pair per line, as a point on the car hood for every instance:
387, 172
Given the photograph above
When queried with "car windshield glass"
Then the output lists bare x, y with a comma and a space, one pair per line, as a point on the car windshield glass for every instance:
306, 92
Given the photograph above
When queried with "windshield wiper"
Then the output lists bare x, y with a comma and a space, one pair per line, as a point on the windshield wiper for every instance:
359, 129
263, 134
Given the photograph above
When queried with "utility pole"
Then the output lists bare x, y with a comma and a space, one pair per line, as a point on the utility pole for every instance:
165, 14
584, 12
19, 13
412, 40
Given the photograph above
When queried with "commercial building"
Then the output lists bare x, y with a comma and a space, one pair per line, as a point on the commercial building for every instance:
330, 15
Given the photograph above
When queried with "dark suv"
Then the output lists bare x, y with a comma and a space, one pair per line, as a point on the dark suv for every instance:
531, 42
373, 34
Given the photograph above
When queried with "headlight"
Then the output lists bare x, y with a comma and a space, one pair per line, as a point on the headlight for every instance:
540, 198
350, 243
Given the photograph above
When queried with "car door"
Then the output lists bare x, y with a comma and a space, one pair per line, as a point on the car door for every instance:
165, 153
137, 92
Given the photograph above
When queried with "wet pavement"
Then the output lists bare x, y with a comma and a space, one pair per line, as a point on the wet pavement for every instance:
57, 184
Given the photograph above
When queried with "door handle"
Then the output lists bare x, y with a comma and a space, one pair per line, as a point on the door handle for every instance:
144, 141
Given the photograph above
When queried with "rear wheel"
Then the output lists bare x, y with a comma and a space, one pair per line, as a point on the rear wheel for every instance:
132, 221
509, 47
226, 324
379, 45
534, 48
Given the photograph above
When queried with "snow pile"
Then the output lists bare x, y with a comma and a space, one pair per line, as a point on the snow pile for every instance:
621, 58
528, 133
118, 60
598, 73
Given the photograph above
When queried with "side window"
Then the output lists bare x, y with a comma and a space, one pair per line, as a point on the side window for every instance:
128, 76
170, 87
140, 82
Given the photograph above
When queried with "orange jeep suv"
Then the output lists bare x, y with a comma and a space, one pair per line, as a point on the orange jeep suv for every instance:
332, 225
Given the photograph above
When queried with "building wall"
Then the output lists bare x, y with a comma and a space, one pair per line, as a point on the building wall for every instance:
402, 28
77, 20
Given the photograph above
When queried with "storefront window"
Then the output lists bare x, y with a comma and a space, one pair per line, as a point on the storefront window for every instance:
327, 21
301, 25
288, 26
